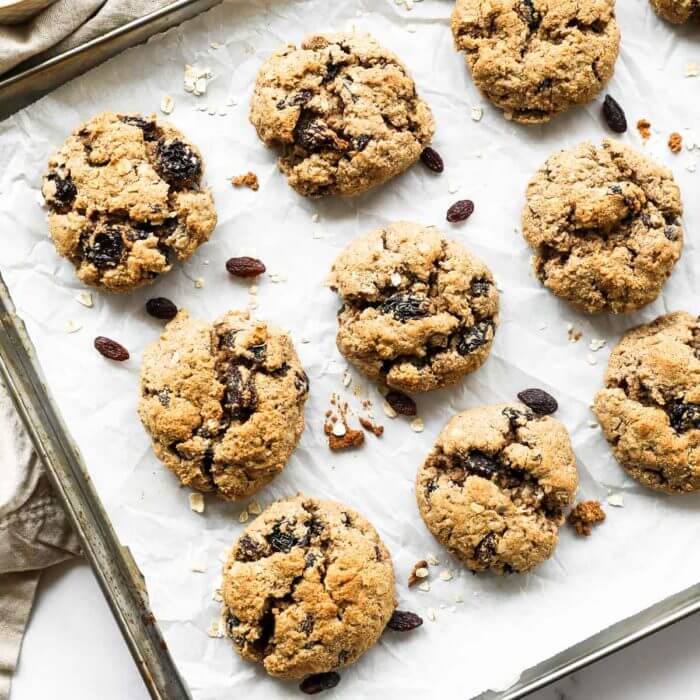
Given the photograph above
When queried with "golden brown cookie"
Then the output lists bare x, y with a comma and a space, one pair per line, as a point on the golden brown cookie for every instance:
419, 312
345, 112
126, 200
494, 487
604, 224
676, 11
650, 407
536, 58
308, 588
223, 402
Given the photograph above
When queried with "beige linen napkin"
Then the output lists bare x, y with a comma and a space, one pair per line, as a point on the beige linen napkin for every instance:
34, 534
66, 24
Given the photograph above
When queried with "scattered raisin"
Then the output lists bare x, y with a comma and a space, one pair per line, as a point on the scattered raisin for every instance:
111, 349
401, 403
106, 249
539, 401
406, 306
404, 621
319, 682
160, 307
177, 163
245, 267
614, 115
432, 159
460, 211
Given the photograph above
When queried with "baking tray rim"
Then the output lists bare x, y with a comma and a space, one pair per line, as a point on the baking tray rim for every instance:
46, 427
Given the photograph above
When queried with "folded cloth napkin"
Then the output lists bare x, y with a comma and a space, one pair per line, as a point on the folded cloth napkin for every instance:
66, 24
34, 534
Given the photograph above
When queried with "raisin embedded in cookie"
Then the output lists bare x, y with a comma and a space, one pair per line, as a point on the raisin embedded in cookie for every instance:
308, 588
495, 485
345, 112
676, 11
604, 224
223, 402
536, 58
125, 199
419, 312
650, 407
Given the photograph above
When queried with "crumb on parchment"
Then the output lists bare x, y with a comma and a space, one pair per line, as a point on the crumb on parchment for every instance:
249, 179
584, 515
675, 142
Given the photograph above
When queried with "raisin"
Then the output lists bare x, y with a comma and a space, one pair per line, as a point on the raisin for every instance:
473, 337
479, 287
177, 163
614, 115
248, 549
301, 98
539, 401
245, 267
160, 307
684, 416
240, 396
359, 143
111, 349
319, 682
404, 621
477, 463
432, 159
530, 15
486, 549
460, 211
231, 622
307, 624
301, 383
406, 306
281, 541
259, 352
66, 190
671, 233
148, 126
164, 397
311, 133
332, 70
106, 249
401, 403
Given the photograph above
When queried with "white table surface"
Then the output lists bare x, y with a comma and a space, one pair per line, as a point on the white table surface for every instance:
74, 648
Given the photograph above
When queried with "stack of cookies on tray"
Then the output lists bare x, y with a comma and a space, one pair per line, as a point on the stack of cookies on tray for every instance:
309, 585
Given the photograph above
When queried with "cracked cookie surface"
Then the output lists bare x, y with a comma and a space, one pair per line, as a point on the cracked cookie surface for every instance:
419, 311
676, 11
604, 224
495, 485
307, 588
223, 402
536, 58
345, 112
126, 200
649, 408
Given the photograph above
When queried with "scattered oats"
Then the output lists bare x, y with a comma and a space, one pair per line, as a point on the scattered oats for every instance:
201, 108
459, 598
395, 279
167, 105
446, 575
254, 508
215, 629
691, 167
596, 344
431, 614
422, 572
347, 378
243, 517
408, 4
432, 559
197, 502
390, 412
189, 78
592, 424
211, 110
692, 70
542, 327
199, 282
195, 80
425, 586
305, 340
215, 45
85, 298
277, 278
205, 262
417, 425
590, 358
252, 304
411, 28
216, 596
477, 113
317, 235
339, 429
231, 102
222, 112
200, 85
198, 568
616, 499
72, 326
452, 187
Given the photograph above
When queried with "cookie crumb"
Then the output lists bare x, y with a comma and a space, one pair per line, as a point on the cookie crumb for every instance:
574, 334
351, 439
370, 427
197, 502
584, 515
675, 142
199, 283
419, 571
644, 129
249, 179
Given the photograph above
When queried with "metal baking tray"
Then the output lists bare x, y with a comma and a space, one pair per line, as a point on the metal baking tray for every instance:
116, 572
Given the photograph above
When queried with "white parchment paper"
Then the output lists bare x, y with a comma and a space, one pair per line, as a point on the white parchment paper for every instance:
644, 551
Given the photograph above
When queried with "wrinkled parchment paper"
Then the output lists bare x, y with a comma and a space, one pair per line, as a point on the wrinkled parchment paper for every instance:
643, 552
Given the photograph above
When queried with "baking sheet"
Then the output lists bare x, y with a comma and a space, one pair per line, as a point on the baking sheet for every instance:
640, 555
